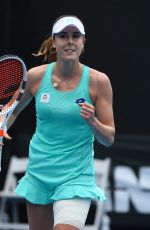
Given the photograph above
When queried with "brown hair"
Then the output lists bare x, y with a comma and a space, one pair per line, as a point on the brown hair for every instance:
47, 51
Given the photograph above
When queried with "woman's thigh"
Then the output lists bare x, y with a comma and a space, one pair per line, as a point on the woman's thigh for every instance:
40, 217
70, 214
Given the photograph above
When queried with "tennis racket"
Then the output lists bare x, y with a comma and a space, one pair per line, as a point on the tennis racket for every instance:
13, 78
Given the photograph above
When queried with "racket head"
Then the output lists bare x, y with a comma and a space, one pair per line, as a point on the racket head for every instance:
13, 78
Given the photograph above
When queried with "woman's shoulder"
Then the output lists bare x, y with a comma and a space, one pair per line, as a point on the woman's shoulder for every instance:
35, 74
98, 77
37, 71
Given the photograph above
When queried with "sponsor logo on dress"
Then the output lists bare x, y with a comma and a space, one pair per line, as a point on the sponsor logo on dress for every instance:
80, 100
45, 98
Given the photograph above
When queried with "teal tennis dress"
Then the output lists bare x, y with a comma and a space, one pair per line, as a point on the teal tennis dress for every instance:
60, 164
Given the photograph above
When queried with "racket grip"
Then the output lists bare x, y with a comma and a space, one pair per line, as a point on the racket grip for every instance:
1, 140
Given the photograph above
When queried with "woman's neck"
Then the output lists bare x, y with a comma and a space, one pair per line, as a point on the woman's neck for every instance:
67, 69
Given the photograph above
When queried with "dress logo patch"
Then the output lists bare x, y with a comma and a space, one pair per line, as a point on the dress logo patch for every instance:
45, 98
80, 100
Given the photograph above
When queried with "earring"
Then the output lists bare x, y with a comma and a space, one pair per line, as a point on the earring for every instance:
53, 49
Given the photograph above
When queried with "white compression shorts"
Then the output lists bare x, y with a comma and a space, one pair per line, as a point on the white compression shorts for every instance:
72, 211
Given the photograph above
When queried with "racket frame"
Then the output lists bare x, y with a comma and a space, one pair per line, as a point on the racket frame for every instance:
8, 111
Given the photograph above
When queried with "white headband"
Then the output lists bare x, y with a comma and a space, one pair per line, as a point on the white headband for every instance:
67, 21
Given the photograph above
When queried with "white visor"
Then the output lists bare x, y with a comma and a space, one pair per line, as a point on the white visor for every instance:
67, 21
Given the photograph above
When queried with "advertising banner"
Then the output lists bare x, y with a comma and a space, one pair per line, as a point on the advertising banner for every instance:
128, 195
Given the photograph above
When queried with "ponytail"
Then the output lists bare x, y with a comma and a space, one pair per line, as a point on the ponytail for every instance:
47, 51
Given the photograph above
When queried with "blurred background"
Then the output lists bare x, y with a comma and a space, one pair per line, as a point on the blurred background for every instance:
118, 44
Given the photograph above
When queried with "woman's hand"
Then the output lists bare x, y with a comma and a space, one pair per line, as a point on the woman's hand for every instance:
87, 111
4, 134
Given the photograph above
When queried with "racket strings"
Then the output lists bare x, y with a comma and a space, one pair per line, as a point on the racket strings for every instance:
11, 73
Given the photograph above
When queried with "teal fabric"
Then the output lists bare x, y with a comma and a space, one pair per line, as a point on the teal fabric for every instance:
61, 150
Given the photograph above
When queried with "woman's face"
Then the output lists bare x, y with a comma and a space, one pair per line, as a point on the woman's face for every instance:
69, 43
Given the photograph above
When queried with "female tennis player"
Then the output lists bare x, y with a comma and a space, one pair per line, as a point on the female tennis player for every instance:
73, 105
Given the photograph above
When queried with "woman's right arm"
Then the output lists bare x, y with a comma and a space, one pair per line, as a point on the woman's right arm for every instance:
25, 100
34, 77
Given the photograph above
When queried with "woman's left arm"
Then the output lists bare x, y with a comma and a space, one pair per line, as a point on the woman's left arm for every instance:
100, 116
